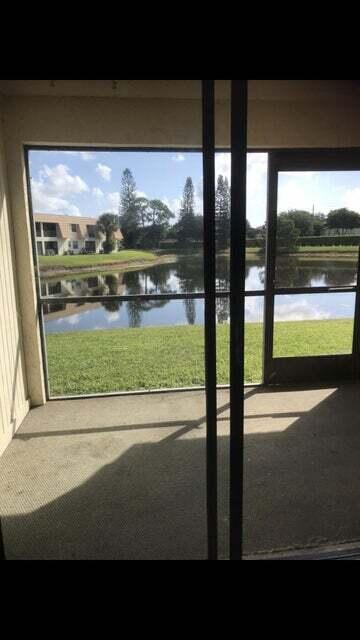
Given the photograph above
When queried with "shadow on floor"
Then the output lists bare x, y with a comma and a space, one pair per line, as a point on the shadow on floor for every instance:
148, 504
302, 488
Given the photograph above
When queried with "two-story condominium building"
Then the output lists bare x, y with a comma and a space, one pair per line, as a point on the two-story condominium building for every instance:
57, 234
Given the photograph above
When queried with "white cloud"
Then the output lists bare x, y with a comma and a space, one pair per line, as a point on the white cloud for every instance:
256, 176
253, 310
59, 181
174, 205
97, 192
50, 190
104, 171
86, 155
44, 203
178, 158
256, 188
300, 310
223, 165
114, 201
292, 195
298, 174
352, 199
112, 316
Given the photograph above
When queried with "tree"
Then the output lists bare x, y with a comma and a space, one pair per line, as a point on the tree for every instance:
342, 219
286, 234
158, 215
303, 221
188, 202
142, 206
319, 224
198, 228
186, 224
194, 231
107, 224
222, 212
129, 211
128, 191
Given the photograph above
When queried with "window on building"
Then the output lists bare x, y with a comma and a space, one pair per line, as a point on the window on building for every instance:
38, 228
90, 246
49, 229
74, 228
91, 230
75, 244
54, 288
51, 248
93, 282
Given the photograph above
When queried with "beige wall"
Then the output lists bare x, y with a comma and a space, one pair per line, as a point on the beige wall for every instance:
13, 393
24, 262
281, 114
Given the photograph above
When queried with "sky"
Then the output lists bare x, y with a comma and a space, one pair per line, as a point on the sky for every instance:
84, 183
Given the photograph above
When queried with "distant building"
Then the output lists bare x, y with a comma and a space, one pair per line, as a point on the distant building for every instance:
59, 234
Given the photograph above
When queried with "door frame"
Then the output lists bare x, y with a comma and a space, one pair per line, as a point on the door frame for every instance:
300, 369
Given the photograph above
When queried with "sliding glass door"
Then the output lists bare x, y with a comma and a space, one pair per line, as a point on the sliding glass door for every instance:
311, 267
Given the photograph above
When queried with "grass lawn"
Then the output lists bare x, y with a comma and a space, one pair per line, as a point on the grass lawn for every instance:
254, 251
74, 262
147, 358
335, 249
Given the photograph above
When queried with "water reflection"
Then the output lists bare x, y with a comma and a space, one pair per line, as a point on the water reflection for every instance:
223, 310
186, 275
294, 271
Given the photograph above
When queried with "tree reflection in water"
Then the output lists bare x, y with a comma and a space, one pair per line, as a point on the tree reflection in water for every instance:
186, 275
222, 310
292, 271
136, 284
190, 311
190, 275
112, 284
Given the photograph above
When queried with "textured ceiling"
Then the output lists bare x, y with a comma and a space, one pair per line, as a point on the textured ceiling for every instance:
293, 90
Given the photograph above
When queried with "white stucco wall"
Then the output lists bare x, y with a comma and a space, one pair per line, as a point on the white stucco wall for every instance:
13, 390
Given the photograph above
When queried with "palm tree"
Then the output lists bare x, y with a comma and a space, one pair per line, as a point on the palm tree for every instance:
108, 224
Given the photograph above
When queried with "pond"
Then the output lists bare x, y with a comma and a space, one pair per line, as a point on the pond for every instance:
186, 275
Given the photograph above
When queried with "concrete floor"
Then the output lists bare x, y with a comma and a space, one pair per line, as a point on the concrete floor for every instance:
124, 477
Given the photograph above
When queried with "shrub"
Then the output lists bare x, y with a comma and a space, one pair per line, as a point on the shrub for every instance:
329, 241
108, 246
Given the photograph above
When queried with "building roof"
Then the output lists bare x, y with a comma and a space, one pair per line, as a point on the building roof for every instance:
55, 217
64, 222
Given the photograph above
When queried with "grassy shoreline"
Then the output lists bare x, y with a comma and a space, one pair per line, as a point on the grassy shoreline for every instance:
313, 252
331, 251
127, 257
101, 361
121, 260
